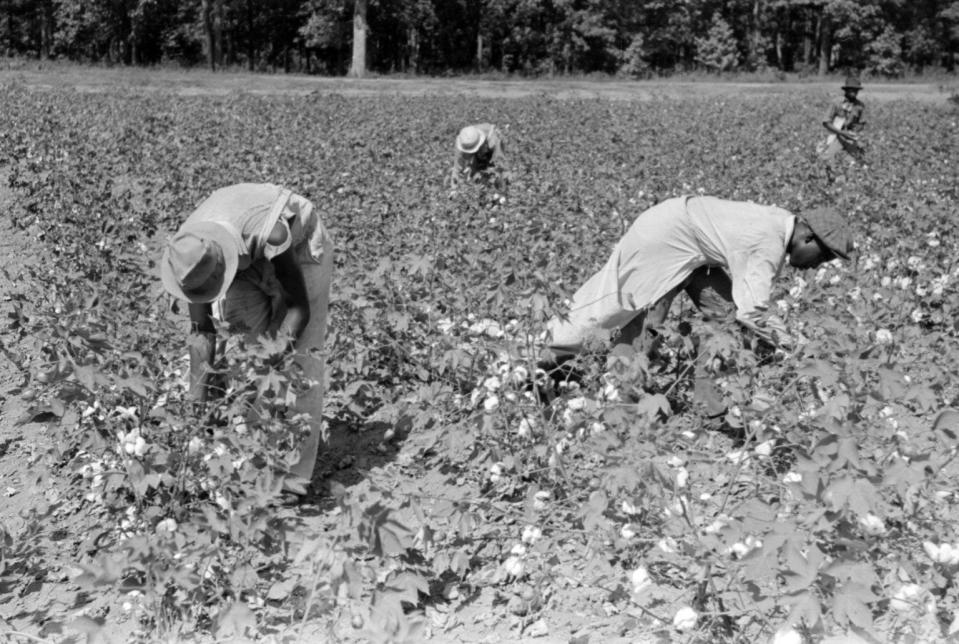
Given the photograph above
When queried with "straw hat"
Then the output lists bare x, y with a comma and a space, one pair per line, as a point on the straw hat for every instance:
852, 82
470, 139
830, 229
200, 262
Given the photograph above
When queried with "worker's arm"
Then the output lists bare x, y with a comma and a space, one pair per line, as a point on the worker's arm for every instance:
202, 348
290, 276
752, 284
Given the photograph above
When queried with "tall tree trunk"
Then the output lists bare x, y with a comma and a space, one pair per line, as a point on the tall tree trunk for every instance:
825, 43
413, 38
807, 34
46, 28
9, 29
206, 8
250, 44
779, 50
758, 57
358, 64
218, 48
479, 51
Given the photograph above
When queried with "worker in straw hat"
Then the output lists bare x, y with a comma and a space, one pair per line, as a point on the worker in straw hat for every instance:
844, 122
479, 149
723, 254
262, 254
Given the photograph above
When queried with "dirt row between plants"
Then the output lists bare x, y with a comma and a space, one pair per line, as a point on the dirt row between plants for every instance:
206, 83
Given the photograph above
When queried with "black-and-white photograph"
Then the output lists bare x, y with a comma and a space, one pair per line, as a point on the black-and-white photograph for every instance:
479, 321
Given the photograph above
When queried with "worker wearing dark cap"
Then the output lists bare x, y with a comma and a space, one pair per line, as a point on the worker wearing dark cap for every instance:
724, 254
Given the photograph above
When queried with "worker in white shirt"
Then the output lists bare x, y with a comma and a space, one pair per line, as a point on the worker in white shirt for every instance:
724, 254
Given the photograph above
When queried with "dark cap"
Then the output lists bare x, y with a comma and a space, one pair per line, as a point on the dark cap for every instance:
830, 229
852, 82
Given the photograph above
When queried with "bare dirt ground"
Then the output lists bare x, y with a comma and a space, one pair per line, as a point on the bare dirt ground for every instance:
202, 82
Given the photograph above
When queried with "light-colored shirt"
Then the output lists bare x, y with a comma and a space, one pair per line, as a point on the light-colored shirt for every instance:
253, 210
490, 154
665, 245
256, 299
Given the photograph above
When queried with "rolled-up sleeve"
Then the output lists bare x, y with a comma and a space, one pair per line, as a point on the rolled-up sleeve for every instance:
310, 236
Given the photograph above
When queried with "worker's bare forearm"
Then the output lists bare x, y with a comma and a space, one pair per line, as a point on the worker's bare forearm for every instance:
202, 348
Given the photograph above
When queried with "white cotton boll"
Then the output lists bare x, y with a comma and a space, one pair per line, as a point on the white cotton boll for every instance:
797, 289
596, 427
792, 477
194, 446
629, 508
682, 477
576, 404
872, 525
914, 263
518, 549
835, 279
885, 281
519, 375
916, 315
541, 500
782, 307
787, 635
640, 579
677, 507
492, 383
166, 526
627, 531
525, 428
610, 393
514, 566
491, 403
685, 619
884, 336
444, 325
912, 597
742, 548
667, 545
531, 534
764, 449
739, 549
820, 275
675, 461
904, 283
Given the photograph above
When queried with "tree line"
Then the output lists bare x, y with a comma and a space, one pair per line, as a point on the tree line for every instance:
635, 38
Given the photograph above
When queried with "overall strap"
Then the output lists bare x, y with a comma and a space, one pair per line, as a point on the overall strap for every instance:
274, 215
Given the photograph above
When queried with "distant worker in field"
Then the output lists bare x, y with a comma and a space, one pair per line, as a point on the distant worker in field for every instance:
261, 252
723, 254
479, 151
842, 147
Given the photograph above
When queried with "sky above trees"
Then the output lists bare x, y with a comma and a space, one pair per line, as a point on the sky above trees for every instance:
635, 38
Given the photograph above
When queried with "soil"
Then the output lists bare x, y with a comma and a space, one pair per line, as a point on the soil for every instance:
202, 82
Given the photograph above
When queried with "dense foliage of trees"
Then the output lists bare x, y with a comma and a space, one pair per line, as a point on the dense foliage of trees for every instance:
631, 37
